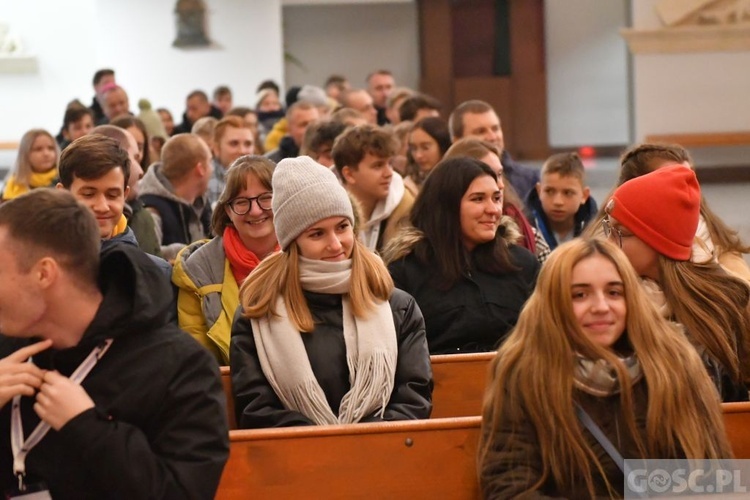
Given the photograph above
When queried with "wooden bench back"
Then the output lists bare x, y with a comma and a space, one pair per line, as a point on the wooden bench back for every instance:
460, 380
409, 459
412, 459
737, 421
459, 385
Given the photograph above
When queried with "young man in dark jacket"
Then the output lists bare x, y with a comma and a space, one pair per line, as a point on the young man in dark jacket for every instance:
146, 418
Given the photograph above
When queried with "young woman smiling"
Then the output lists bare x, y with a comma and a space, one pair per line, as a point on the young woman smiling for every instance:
323, 337
460, 261
592, 374
208, 273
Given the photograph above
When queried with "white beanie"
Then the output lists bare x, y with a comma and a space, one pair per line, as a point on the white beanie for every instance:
305, 192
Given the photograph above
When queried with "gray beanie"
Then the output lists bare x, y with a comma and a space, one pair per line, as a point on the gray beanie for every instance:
305, 192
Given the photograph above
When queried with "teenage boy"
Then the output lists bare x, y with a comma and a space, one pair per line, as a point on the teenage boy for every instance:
362, 156
561, 204
78, 121
232, 138
100, 396
96, 170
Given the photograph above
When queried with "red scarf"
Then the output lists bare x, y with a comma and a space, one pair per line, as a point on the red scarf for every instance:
241, 260
529, 242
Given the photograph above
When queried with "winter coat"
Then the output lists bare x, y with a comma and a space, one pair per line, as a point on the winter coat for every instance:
257, 404
511, 470
208, 295
179, 222
186, 127
585, 214
287, 149
477, 312
159, 427
142, 223
389, 217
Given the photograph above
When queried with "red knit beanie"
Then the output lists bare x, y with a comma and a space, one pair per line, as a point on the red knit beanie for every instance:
661, 208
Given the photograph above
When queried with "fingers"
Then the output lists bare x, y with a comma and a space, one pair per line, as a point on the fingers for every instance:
53, 377
33, 380
25, 353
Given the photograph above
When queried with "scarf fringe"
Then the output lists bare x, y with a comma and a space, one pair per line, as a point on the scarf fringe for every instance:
309, 400
372, 381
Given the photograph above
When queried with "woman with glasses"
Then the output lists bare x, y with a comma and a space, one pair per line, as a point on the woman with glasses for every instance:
460, 261
209, 273
714, 239
653, 218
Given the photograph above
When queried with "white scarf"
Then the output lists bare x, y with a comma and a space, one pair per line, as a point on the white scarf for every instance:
371, 352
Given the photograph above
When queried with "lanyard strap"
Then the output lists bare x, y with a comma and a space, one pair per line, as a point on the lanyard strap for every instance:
600, 437
22, 447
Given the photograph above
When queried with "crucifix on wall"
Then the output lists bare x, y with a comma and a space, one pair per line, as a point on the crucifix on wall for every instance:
191, 24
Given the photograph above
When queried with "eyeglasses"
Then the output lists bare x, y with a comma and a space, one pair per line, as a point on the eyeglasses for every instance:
611, 231
242, 205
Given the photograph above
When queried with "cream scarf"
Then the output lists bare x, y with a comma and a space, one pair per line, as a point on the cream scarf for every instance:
371, 352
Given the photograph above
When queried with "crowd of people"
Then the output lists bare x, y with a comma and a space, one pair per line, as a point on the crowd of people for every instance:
324, 243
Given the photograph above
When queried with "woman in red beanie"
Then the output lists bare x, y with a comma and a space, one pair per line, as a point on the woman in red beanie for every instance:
654, 219
714, 239
590, 354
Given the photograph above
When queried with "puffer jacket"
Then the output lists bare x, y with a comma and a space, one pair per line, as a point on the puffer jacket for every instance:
476, 313
257, 404
208, 295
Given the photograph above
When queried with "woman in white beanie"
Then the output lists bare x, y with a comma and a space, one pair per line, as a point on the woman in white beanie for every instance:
323, 337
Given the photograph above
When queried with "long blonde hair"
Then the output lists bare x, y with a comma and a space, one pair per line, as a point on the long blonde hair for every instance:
683, 412
22, 168
278, 275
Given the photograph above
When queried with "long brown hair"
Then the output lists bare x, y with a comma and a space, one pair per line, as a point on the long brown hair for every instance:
684, 412
278, 275
644, 158
712, 305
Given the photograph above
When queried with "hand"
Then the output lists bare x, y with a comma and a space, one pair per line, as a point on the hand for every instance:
19, 377
60, 399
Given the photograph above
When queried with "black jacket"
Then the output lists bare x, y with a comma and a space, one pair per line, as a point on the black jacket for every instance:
159, 428
186, 126
287, 149
258, 405
477, 312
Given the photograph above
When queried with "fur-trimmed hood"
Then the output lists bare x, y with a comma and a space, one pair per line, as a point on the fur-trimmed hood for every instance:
409, 236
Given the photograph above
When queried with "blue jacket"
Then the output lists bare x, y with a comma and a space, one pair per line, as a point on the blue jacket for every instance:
585, 214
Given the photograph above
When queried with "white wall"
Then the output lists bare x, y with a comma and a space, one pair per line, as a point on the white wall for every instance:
72, 39
587, 72
690, 92
352, 40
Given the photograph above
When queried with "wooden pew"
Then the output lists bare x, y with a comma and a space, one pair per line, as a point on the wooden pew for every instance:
410, 459
737, 421
226, 383
460, 380
413, 459
459, 385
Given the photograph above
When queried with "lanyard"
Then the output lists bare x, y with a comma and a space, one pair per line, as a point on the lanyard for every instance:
22, 447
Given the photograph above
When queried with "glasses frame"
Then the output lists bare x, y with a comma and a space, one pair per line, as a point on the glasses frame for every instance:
255, 199
609, 230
